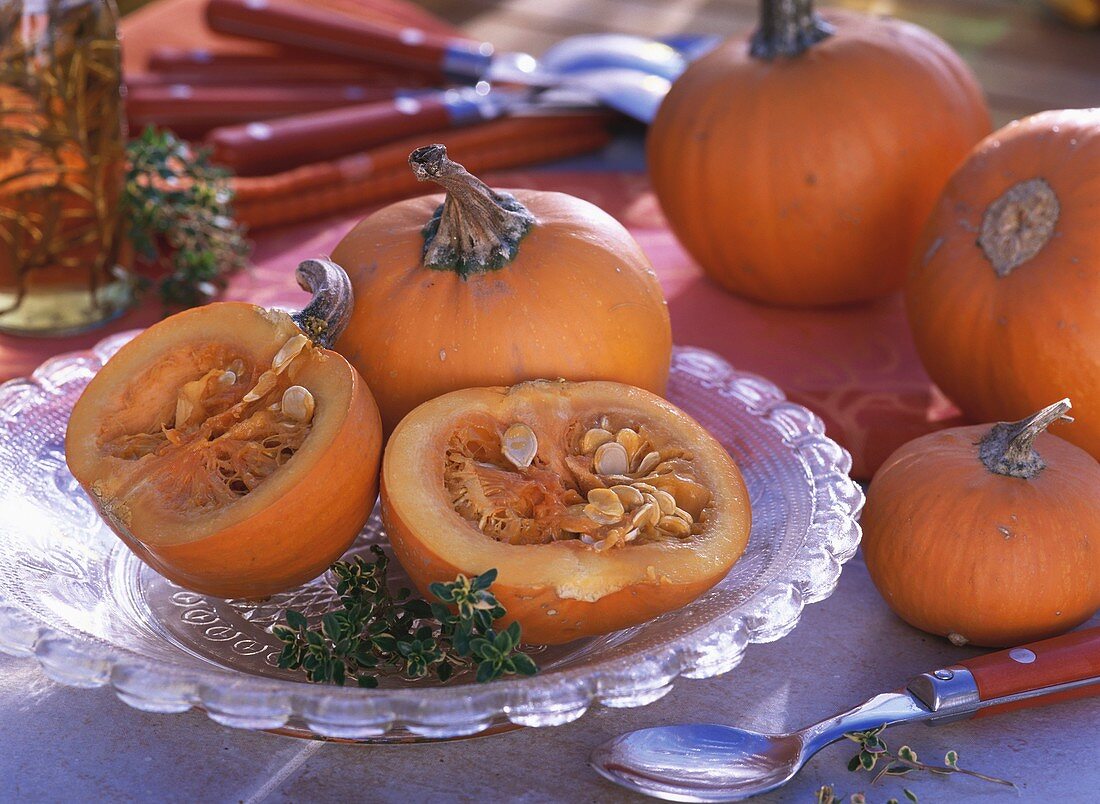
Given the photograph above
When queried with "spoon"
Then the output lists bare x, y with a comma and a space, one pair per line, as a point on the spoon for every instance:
710, 762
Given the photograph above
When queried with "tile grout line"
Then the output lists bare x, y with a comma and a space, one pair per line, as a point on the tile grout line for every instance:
280, 776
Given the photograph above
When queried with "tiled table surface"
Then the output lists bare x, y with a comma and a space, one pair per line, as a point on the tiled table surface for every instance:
64, 744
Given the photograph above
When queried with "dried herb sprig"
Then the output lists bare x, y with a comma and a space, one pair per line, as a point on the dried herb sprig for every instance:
178, 207
873, 752
376, 630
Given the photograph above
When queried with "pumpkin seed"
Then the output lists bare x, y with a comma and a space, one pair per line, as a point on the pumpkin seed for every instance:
611, 459
264, 386
184, 408
226, 378
631, 535
597, 515
648, 514
645, 488
236, 367
648, 463
684, 515
594, 439
674, 526
519, 445
290, 350
666, 501
630, 440
629, 496
298, 403
606, 501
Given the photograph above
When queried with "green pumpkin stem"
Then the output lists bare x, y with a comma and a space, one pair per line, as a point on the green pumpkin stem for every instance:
788, 28
476, 229
1007, 449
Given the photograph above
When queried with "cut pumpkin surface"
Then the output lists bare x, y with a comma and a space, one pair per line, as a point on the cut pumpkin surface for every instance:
228, 450
601, 505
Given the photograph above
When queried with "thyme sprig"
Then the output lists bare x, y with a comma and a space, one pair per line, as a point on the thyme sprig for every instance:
178, 207
376, 630
875, 753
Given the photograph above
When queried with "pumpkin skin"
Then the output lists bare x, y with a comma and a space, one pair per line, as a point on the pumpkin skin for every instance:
1000, 343
805, 180
960, 551
561, 590
284, 531
580, 301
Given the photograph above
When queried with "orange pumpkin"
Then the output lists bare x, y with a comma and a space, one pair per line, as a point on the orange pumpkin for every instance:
1004, 291
492, 288
798, 167
600, 505
975, 534
229, 451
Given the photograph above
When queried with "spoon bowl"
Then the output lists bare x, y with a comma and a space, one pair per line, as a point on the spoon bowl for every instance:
699, 761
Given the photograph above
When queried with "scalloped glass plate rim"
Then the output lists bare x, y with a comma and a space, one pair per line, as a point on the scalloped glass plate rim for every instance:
603, 681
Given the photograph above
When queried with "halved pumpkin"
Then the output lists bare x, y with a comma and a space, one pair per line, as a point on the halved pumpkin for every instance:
601, 505
229, 451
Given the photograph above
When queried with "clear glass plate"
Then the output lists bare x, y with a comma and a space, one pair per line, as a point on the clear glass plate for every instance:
73, 597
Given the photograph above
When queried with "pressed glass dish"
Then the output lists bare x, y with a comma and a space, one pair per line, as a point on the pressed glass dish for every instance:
73, 597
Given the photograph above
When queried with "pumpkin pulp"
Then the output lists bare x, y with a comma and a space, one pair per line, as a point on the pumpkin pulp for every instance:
599, 504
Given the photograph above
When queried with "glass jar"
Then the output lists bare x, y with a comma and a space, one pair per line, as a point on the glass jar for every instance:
63, 258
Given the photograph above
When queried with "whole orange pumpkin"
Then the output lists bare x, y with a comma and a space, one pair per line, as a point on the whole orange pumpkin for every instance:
1004, 290
490, 288
975, 534
798, 167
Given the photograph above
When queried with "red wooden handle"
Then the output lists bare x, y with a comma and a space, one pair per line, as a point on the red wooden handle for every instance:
275, 145
333, 33
193, 110
1071, 657
198, 66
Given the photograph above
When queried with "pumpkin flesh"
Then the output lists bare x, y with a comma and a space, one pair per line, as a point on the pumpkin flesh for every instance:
221, 492
454, 503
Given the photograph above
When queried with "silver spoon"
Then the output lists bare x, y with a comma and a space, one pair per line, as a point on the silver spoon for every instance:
709, 762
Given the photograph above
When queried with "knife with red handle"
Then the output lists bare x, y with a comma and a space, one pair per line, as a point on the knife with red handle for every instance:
192, 110
274, 145
1039, 673
200, 66
337, 34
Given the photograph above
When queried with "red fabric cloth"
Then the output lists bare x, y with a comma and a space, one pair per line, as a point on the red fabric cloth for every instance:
854, 366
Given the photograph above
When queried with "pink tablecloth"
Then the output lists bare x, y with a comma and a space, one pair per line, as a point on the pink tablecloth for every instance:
855, 366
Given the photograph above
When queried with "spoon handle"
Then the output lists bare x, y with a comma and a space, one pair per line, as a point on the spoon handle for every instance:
1072, 657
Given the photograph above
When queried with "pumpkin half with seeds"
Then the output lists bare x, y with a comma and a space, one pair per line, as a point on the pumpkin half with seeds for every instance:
601, 505
482, 288
228, 448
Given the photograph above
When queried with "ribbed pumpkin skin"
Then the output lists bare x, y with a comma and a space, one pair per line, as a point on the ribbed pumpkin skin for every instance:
580, 302
805, 181
956, 549
1002, 346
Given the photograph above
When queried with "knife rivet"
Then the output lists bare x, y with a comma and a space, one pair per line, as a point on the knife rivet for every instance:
944, 675
1021, 655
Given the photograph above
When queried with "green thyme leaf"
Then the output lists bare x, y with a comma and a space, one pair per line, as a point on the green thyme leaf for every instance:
375, 629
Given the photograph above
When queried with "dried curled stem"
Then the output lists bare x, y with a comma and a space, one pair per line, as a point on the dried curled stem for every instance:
787, 28
327, 315
1007, 449
476, 229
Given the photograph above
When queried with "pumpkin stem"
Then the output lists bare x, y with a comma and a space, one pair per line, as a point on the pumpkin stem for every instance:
787, 28
329, 311
1007, 448
476, 229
